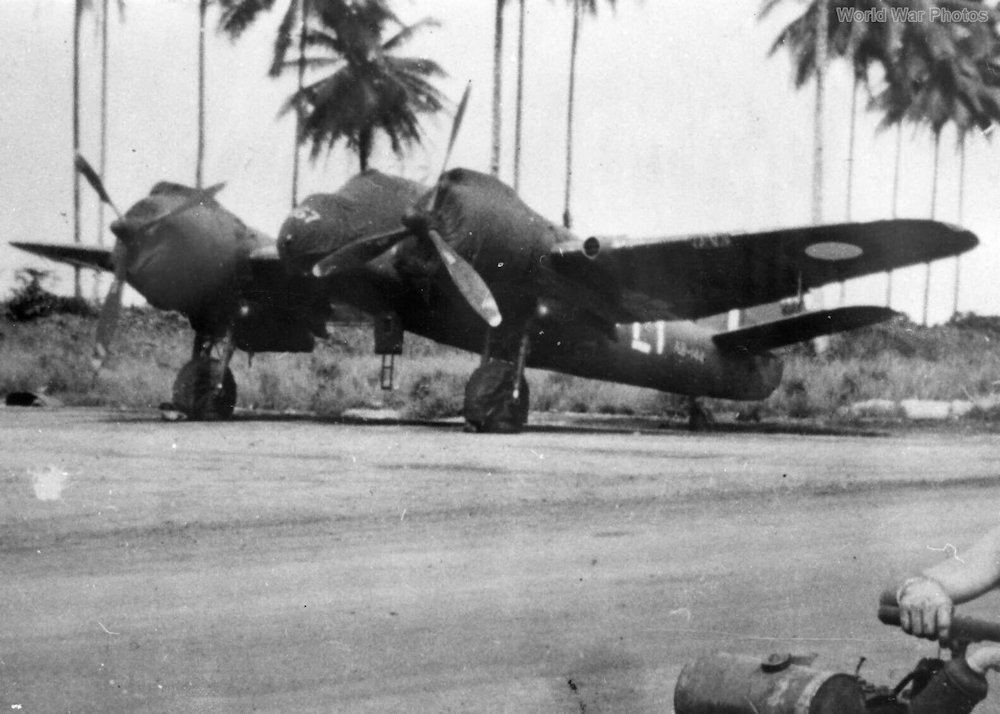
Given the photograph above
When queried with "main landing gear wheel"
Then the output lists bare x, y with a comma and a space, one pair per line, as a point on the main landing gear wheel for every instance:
490, 405
195, 394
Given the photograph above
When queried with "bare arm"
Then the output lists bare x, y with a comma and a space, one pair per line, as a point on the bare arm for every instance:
972, 572
926, 602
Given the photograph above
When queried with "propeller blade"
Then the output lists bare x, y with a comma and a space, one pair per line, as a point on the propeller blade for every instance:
455, 126
111, 310
354, 255
197, 199
469, 283
95, 181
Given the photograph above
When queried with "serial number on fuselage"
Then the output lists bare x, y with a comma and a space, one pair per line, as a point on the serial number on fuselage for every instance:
709, 242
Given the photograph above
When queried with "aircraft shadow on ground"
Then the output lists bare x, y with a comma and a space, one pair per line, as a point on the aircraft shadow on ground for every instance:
570, 424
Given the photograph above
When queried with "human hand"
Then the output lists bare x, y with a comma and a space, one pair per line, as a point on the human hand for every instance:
983, 659
924, 608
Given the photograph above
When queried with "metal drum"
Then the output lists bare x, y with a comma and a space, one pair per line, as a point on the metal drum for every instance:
724, 683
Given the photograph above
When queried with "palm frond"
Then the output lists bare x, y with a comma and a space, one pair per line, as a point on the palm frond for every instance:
407, 33
237, 15
283, 39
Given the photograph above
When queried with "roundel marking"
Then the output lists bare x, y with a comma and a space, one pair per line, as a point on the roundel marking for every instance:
833, 251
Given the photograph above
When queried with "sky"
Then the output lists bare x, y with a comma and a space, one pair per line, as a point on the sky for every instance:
684, 124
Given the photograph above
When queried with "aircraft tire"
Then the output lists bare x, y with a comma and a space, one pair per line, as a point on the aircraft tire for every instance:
490, 406
193, 394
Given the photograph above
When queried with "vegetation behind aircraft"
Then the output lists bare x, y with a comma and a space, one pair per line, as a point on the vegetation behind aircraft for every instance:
50, 350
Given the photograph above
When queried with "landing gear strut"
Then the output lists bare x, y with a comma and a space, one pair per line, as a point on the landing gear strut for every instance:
496, 396
698, 416
205, 388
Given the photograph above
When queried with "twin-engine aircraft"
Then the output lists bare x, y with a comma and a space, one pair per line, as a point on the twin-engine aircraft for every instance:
468, 264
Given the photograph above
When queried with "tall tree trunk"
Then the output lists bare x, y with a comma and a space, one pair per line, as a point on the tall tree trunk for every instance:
304, 9
520, 97
199, 166
497, 87
852, 135
77, 18
895, 202
104, 116
961, 216
934, 192
567, 218
822, 34
103, 158
365, 140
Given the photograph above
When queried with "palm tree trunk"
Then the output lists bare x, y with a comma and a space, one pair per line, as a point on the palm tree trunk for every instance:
822, 36
961, 216
103, 158
365, 147
567, 218
199, 166
304, 9
851, 147
77, 17
822, 30
519, 110
895, 203
850, 167
104, 118
497, 87
934, 192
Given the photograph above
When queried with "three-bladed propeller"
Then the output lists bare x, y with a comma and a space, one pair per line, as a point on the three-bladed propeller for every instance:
469, 283
124, 229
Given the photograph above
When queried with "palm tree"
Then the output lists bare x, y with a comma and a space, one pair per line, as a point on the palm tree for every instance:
237, 15
370, 89
579, 7
938, 75
981, 43
811, 39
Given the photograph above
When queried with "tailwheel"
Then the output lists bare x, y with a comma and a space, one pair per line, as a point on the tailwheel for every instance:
203, 392
492, 405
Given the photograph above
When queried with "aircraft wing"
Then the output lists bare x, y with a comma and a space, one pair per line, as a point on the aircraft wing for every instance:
75, 254
696, 276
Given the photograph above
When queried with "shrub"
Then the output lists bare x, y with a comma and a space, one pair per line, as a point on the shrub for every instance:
31, 301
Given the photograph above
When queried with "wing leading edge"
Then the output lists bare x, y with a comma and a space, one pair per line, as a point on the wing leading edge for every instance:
80, 256
697, 276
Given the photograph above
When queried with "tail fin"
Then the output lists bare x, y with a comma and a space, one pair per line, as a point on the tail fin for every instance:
798, 328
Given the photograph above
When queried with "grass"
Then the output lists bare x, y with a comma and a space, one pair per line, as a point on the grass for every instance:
893, 361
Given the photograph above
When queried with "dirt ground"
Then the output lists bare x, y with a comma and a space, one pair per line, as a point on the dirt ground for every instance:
289, 565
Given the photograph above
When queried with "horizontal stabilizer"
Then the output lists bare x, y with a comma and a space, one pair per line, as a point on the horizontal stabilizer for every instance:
80, 256
798, 328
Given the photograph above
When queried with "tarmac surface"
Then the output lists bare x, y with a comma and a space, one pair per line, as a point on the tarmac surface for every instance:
295, 565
